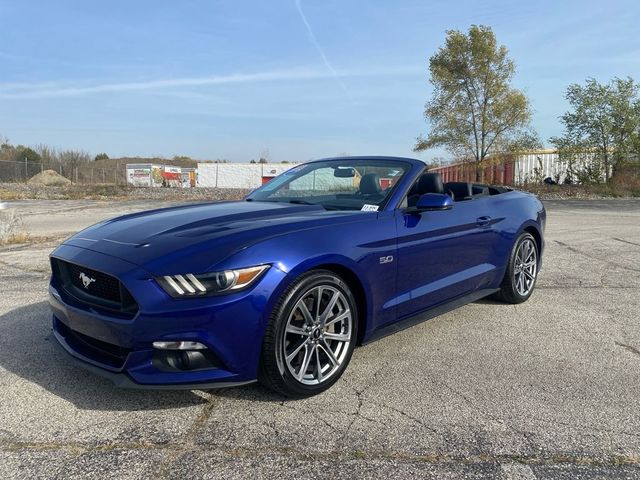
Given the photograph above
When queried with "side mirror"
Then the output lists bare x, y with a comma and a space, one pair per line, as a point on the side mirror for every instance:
432, 202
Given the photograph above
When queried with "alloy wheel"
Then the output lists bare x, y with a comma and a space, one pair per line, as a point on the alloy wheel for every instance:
525, 267
317, 335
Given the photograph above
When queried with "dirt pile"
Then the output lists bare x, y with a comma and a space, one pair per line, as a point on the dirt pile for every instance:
50, 178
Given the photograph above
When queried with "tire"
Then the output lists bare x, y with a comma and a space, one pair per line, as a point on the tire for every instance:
322, 338
522, 271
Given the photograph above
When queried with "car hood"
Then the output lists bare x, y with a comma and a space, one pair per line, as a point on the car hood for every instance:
196, 237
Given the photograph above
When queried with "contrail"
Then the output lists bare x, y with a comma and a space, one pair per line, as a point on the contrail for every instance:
314, 40
19, 91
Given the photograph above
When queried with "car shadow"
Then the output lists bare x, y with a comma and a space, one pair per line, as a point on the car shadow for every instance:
27, 351
253, 392
489, 301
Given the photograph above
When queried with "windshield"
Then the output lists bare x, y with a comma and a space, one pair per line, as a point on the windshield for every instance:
336, 184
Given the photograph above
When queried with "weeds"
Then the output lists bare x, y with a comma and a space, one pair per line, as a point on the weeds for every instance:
12, 228
6, 194
626, 184
22, 191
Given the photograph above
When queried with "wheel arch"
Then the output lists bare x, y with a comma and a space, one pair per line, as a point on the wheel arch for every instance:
346, 269
357, 288
537, 236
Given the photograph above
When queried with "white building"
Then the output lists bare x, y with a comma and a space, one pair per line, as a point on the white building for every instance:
238, 175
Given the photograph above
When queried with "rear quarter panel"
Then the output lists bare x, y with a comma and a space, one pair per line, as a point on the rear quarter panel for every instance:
514, 212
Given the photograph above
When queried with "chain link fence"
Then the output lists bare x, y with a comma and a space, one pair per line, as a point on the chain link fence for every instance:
21, 171
11, 171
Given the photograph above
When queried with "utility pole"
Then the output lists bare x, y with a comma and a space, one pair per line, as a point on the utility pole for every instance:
26, 170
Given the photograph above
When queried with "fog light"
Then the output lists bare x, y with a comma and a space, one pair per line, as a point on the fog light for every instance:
179, 346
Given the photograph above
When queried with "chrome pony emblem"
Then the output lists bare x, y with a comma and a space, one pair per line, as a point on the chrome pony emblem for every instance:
86, 280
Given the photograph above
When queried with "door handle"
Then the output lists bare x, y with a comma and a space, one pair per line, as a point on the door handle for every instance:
483, 221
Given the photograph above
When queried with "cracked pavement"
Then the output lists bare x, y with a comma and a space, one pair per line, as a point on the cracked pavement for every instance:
546, 389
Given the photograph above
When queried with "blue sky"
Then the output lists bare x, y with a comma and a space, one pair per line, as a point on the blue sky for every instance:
306, 79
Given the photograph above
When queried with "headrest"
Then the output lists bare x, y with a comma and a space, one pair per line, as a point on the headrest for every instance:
430, 183
370, 184
460, 190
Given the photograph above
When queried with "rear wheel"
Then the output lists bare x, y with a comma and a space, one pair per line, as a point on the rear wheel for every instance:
522, 271
311, 335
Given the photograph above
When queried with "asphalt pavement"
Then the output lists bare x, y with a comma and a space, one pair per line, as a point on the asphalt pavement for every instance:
546, 389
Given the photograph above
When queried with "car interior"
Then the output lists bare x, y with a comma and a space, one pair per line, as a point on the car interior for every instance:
370, 185
431, 182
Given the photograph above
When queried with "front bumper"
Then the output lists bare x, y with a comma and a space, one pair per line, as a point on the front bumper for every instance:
122, 380
120, 349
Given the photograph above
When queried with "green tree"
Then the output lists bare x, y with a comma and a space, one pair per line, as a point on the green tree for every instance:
26, 153
101, 156
474, 112
603, 124
7, 151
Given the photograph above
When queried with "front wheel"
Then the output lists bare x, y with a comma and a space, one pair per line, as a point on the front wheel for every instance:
522, 271
311, 335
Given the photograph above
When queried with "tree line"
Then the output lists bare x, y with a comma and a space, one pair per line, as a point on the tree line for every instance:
67, 161
477, 115
64, 162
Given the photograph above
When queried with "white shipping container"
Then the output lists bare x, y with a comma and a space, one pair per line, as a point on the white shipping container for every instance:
536, 166
238, 175
207, 175
531, 167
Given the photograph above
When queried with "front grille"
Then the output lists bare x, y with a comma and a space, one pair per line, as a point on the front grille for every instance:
87, 286
95, 283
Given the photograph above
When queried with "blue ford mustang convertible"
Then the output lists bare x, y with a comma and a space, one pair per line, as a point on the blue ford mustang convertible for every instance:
281, 287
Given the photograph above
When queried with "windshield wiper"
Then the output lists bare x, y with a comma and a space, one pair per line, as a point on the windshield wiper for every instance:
301, 202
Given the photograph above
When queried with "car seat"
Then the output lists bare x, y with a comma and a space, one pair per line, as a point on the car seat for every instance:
429, 182
460, 190
370, 184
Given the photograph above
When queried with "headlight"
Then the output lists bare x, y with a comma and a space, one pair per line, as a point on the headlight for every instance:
190, 285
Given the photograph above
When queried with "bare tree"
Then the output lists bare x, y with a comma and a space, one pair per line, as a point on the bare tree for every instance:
49, 156
71, 160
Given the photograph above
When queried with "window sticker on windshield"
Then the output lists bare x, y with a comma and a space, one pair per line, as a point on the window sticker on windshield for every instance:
369, 208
